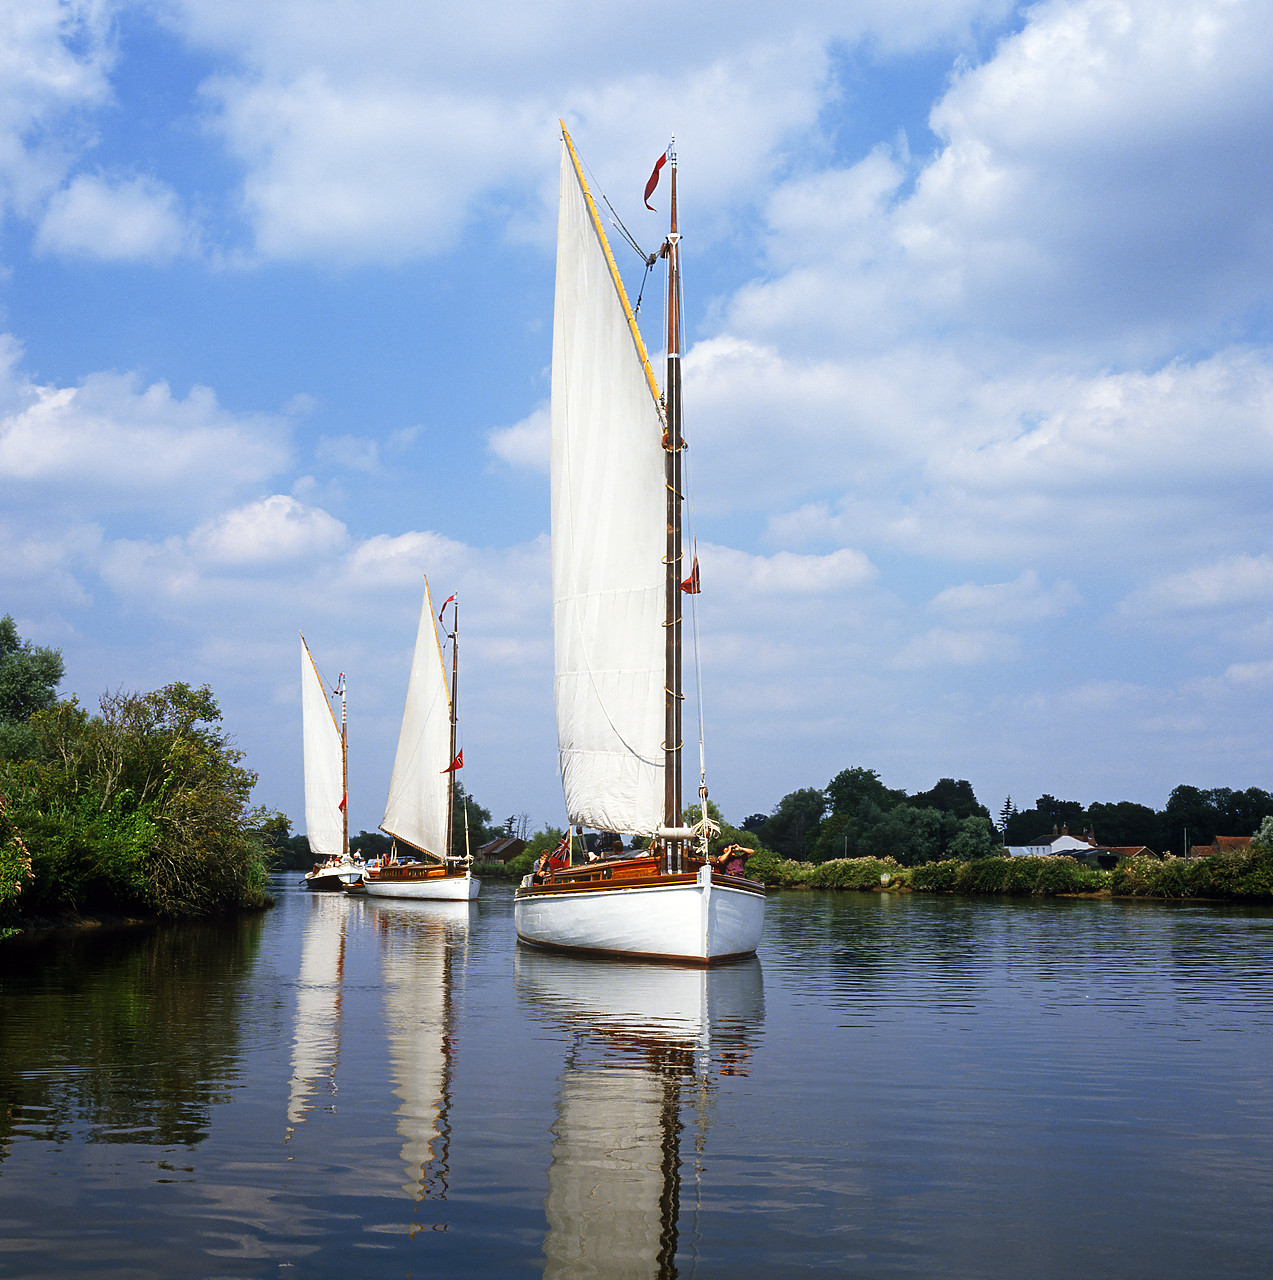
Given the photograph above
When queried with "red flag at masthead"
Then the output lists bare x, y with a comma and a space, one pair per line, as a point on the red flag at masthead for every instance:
458, 762
654, 181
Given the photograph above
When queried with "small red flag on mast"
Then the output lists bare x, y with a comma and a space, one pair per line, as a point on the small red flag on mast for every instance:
458, 762
442, 610
654, 181
690, 585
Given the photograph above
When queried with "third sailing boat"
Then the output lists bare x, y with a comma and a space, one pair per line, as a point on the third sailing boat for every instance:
420, 810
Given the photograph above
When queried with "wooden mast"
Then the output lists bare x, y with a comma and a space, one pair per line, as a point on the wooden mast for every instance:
450, 777
344, 776
672, 447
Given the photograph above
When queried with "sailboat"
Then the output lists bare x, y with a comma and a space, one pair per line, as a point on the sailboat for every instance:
420, 810
326, 763
617, 584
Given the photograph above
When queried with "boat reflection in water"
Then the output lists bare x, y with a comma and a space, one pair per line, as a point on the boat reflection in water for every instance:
316, 1046
647, 1042
423, 945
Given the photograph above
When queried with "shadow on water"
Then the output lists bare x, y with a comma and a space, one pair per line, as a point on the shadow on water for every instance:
122, 1035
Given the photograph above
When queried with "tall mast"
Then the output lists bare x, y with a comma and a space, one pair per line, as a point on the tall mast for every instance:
344, 775
450, 777
672, 446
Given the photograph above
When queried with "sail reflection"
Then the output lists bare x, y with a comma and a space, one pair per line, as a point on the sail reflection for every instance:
646, 1043
316, 1046
423, 945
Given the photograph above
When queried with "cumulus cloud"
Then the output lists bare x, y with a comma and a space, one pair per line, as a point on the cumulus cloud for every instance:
265, 532
525, 443
945, 647
55, 60
129, 219
786, 573
1025, 599
1235, 582
124, 440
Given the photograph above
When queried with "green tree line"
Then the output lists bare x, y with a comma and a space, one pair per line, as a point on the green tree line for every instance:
856, 816
142, 806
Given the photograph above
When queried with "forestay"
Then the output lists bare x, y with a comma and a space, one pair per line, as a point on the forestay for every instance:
608, 532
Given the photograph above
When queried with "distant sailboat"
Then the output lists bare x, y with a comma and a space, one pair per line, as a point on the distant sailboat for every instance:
420, 810
617, 582
326, 761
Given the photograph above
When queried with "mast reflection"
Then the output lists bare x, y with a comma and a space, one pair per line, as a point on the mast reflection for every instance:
422, 945
647, 1043
316, 1046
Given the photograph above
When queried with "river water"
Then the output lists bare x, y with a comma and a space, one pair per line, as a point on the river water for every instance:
896, 1086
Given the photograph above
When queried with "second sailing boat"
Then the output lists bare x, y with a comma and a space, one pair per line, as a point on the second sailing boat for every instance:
420, 810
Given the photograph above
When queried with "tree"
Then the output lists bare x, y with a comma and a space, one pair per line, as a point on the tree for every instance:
951, 797
850, 789
1006, 814
792, 829
29, 676
1189, 818
465, 839
145, 805
976, 838
754, 822
1061, 813
1125, 823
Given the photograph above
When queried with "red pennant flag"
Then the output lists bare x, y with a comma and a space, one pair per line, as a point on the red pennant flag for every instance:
690, 585
442, 610
343, 799
654, 181
458, 762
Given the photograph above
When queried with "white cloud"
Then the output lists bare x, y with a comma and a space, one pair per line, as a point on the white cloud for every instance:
786, 573
1023, 600
55, 58
124, 219
525, 443
944, 646
123, 441
265, 532
1236, 582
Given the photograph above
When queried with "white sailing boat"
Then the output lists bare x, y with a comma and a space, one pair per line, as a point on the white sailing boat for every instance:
420, 810
617, 578
326, 757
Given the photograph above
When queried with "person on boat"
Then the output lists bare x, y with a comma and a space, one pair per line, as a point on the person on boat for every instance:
732, 859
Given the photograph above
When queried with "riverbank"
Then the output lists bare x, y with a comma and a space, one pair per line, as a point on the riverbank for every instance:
1245, 876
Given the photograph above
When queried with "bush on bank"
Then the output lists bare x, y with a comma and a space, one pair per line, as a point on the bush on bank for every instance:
145, 807
1245, 875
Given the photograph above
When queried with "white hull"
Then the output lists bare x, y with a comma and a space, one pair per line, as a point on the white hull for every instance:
441, 889
696, 922
334, 878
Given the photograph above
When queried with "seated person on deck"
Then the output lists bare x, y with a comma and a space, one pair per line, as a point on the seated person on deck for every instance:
732, 859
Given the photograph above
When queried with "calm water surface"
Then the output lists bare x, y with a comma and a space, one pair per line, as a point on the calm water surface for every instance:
905, 1086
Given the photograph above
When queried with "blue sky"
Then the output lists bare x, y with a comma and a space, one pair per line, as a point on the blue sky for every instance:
979, 390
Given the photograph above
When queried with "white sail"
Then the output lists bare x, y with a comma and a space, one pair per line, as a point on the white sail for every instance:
416, 809
324, 769
608, 534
